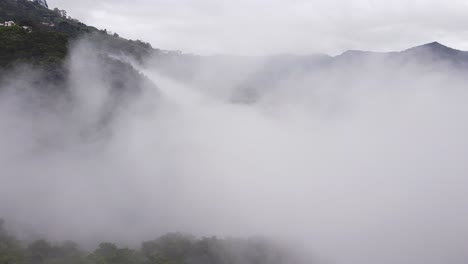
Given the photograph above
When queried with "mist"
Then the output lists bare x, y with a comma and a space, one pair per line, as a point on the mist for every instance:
349, 163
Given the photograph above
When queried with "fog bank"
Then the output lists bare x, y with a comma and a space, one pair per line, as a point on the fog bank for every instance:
352, 163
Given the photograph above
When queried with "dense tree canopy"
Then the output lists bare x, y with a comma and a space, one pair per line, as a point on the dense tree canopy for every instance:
52, 31
172, 248
17, 45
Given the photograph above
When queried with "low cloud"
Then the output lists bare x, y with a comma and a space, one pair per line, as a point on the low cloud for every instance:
355, 164
268, 27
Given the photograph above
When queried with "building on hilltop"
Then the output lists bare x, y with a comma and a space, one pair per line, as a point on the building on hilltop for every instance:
27, 29
7, 24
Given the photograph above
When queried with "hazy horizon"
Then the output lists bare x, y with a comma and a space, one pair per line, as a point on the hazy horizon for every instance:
352, 159
263, 27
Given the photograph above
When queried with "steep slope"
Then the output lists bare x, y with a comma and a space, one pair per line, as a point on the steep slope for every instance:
436, 53
432, 53
38, 16
47, 23
48, 62
37, 47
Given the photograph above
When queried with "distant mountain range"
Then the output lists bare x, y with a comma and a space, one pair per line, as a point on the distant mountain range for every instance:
48, 45
251, 76
44, 21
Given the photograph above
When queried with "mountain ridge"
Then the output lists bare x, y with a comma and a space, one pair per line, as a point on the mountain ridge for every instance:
434, 46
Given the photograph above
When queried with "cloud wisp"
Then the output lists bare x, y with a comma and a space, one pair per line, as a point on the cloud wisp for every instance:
355, 164
259, 27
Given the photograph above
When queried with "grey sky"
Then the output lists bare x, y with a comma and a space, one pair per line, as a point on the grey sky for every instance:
274, 26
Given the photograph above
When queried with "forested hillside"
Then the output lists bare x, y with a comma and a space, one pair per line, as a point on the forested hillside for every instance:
172, 248
52, 33
27, 13
39, 49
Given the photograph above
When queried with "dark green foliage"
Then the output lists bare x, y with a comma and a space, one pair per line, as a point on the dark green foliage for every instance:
17, 45
11, 251
51, 34
173, 248
176, 248
43, 51
42, 252
27, 13
108, 253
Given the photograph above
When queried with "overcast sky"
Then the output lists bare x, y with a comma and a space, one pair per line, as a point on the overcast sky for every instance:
277, 26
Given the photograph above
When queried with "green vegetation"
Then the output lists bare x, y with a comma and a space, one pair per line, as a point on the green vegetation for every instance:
174, 248
27, 13
37, 47
48, 43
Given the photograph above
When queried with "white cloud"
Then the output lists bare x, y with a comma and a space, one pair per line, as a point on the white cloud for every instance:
261, 26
